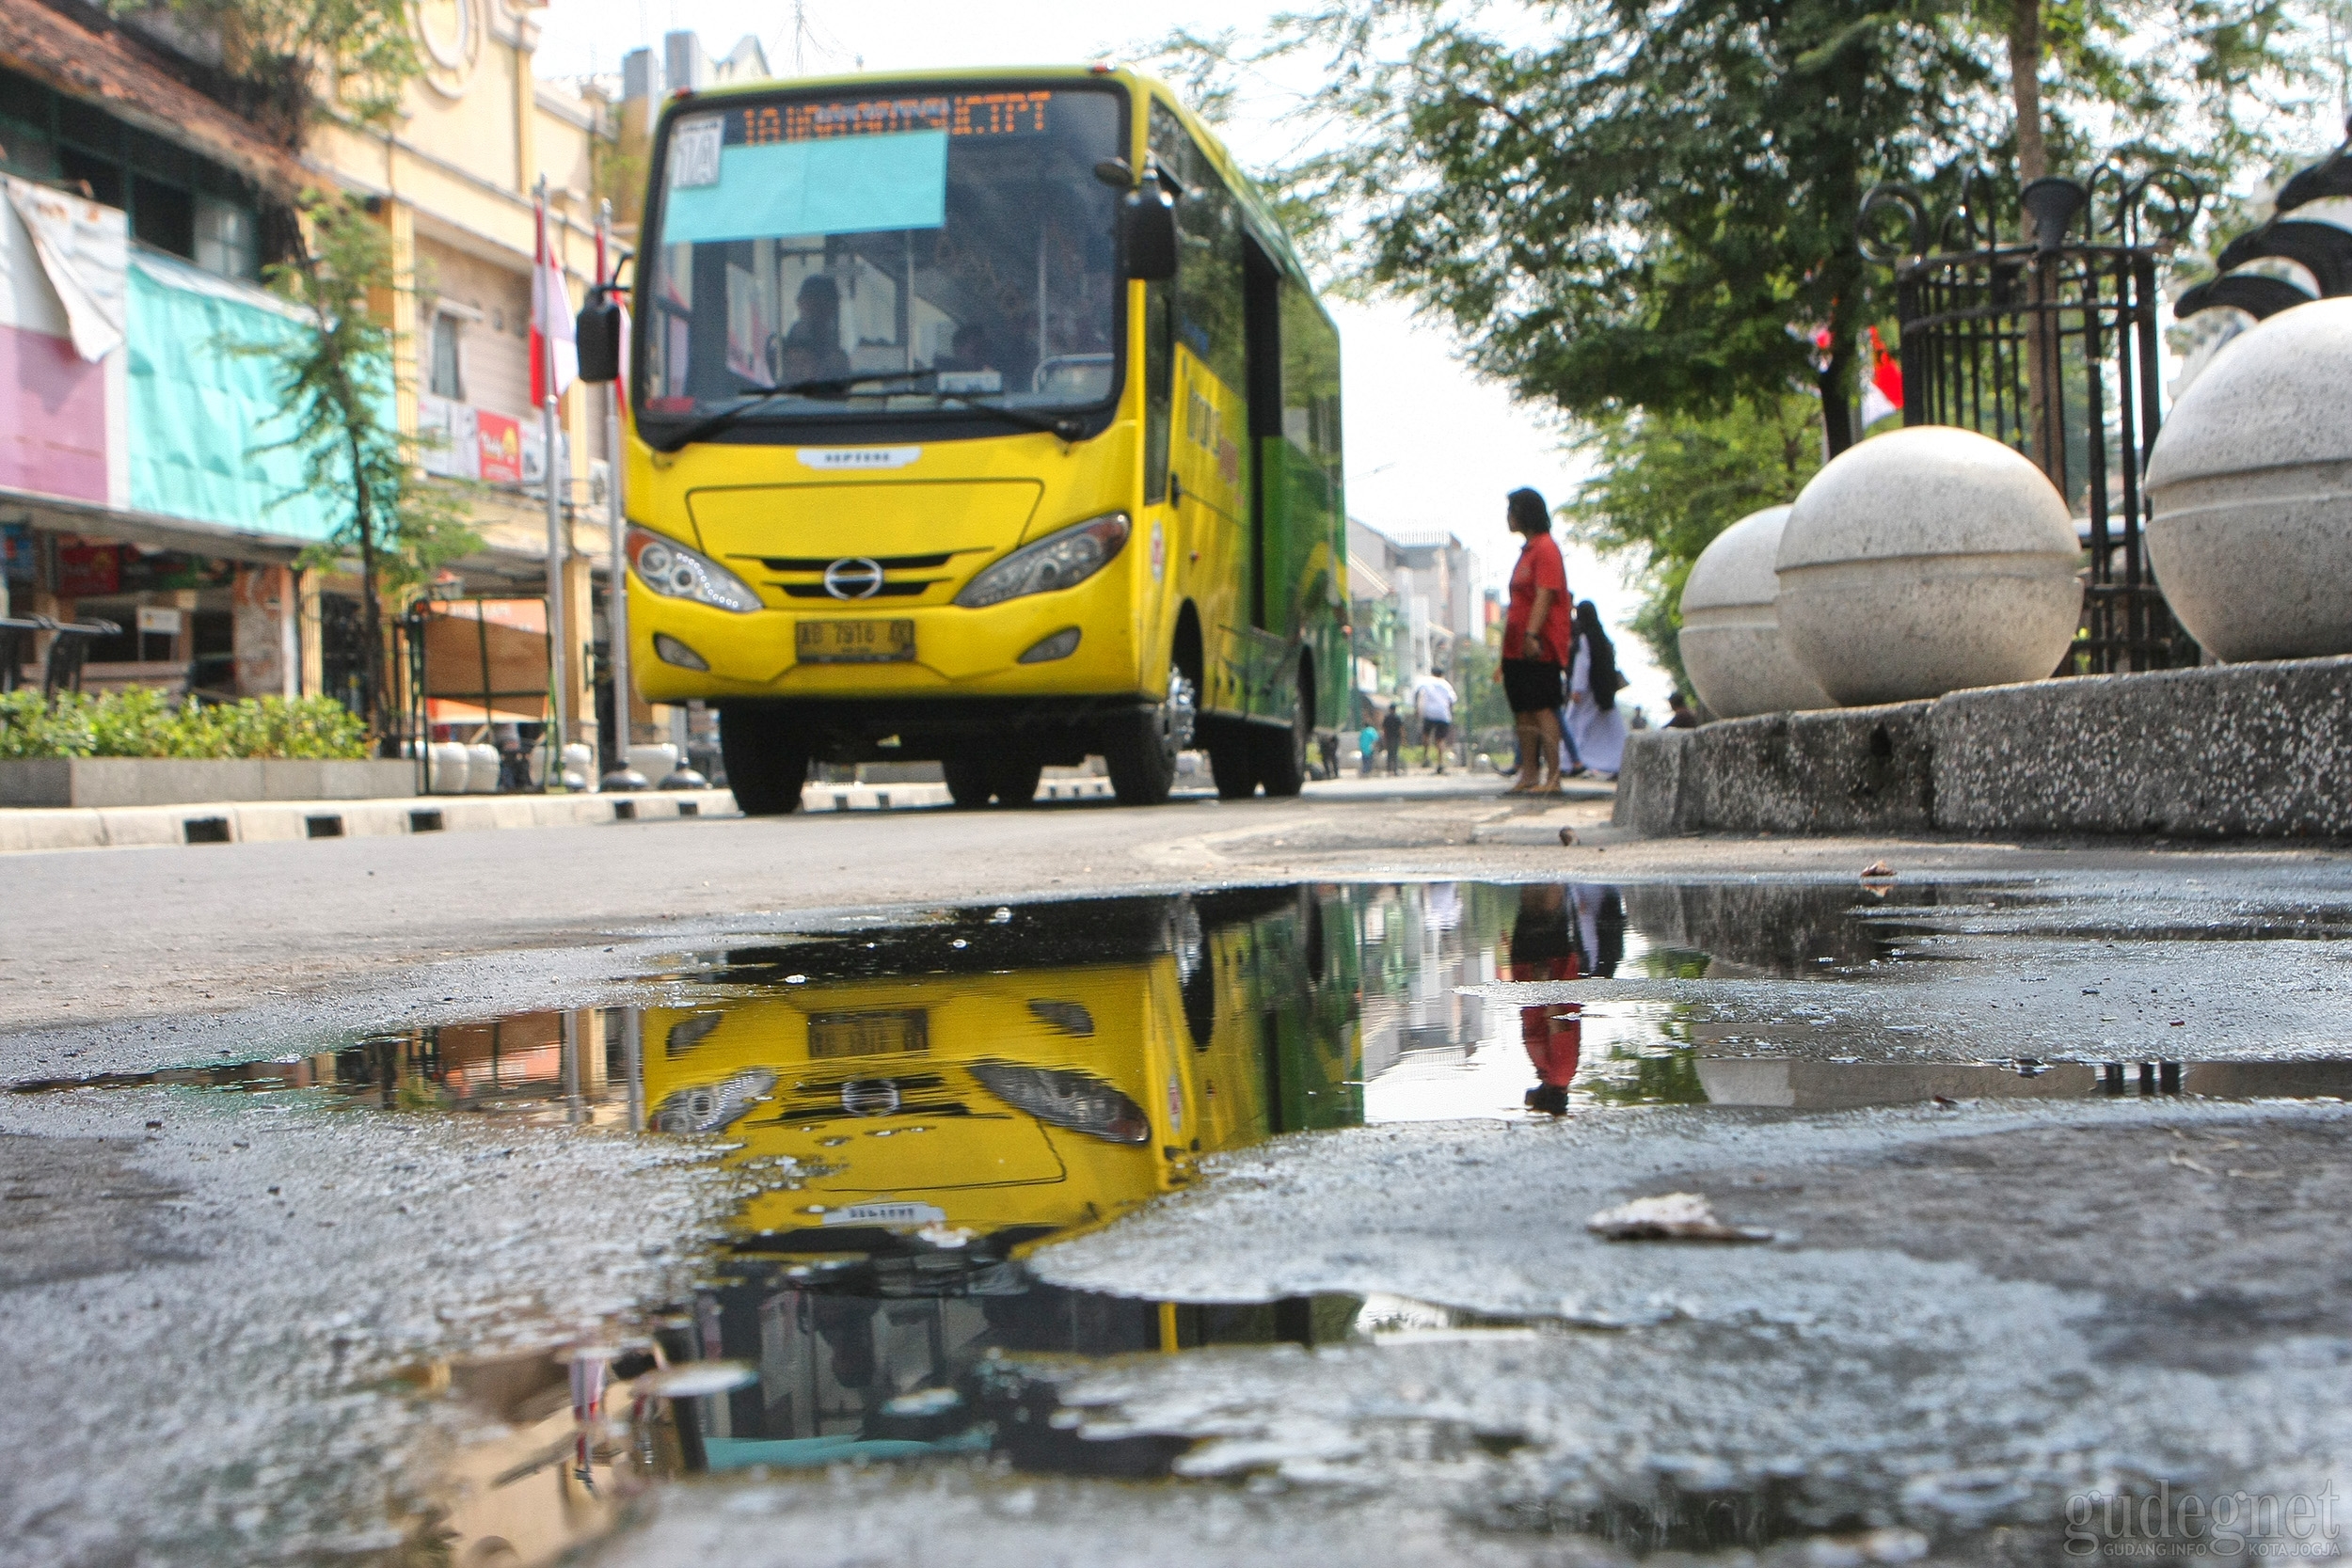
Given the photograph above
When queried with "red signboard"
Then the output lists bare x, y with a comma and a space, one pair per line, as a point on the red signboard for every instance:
87, 571
502, 441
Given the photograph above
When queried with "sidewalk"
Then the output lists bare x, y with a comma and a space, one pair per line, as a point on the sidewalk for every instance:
1452, 784
31, 830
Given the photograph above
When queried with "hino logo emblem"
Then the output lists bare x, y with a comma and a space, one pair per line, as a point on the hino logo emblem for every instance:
853, 576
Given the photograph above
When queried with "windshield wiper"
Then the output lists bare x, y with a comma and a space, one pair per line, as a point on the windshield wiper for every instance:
1052, 424
1063, 426
752, 397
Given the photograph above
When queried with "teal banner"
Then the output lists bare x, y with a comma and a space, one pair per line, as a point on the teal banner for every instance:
204, 411
835, 185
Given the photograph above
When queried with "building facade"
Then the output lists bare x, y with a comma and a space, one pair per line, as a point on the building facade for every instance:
139, 482
1413, 597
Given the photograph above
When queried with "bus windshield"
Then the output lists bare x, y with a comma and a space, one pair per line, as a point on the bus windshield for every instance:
932, 253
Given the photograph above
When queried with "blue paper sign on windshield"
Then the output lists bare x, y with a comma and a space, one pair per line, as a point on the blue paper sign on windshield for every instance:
836, 185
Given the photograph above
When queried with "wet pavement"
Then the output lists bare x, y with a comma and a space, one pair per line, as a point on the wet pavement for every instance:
1245, 1223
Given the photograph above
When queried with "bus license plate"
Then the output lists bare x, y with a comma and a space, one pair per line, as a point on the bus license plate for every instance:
854, 642
868, 1033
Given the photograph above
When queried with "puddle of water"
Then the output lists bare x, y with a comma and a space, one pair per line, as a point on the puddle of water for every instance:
917, 1108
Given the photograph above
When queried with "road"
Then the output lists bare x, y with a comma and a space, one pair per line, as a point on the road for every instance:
269, 1327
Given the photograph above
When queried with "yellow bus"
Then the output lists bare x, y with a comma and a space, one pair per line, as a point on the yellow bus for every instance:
984, 418
910, 1132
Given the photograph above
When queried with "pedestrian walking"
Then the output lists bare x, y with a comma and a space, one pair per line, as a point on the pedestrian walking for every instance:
1392, 736
1434, 699
1535, 644
1368, 746
1596, 727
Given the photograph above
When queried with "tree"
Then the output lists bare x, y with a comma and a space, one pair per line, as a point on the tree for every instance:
1651, 203
1665, 484
277, 56
336, 383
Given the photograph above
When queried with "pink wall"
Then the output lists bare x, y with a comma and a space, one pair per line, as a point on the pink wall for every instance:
53, 418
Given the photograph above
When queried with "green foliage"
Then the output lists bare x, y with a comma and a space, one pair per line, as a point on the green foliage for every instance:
1474, 675
280, 53
337, 384
1664, 485
1646, 203
142, 722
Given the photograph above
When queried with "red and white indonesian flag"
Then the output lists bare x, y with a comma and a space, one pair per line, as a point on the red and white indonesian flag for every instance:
553, 344
1883, 395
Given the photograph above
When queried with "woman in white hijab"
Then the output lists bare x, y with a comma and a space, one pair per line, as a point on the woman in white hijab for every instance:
1595, 728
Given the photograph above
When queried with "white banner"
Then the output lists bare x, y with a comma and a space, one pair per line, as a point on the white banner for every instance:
83, 248
448, 438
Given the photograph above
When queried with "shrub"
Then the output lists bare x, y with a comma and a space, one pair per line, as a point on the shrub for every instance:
141, 722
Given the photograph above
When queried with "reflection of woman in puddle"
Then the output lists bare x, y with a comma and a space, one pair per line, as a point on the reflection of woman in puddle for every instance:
1543, 948
1599, 929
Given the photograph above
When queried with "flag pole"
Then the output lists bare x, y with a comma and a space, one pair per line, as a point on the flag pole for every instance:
616, 593
558, 546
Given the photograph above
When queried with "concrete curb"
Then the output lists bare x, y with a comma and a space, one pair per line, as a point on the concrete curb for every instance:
33, 829
2239, 751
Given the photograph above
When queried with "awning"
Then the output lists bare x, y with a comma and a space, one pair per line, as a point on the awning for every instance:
101, 64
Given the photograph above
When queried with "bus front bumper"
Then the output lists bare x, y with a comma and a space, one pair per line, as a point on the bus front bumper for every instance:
956, 654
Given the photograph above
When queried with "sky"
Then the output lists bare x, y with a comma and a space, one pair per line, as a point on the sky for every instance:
1429, 446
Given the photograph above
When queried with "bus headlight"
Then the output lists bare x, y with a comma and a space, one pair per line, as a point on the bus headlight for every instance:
710, 1107
1060, 559
670, 568
1078, 1101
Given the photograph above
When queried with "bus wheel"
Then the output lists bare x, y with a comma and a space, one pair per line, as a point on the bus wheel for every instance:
967, 783
1141, 748
767, 764
1232, 759
1281, 755
1014, 779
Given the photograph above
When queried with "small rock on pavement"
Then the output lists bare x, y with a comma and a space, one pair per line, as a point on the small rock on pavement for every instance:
1878, 870
1567, 835
1669, 1217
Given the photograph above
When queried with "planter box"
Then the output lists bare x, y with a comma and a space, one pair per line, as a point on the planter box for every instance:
164, 781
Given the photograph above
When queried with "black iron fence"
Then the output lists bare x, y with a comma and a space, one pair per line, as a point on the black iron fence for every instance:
2050, 344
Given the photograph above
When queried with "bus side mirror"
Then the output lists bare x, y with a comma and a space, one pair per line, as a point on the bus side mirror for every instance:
1147, 221
597, 333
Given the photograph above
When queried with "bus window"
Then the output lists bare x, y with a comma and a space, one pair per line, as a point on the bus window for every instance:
952, 242
1209, 275
1159, 389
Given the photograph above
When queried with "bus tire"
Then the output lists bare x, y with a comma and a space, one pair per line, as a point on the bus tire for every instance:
968, 784
1281, 755
1014, 779
767, 764
1232, 759
1141, 748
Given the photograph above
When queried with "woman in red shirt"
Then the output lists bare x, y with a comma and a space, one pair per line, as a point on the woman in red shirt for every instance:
1535, 644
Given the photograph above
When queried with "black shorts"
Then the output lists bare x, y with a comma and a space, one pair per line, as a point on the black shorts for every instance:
1436, 729
1531, 685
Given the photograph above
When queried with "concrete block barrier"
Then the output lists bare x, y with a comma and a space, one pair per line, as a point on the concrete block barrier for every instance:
131, 782
2232, 751
2245, 751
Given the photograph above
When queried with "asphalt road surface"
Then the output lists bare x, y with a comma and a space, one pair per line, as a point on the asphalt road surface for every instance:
2046, 1143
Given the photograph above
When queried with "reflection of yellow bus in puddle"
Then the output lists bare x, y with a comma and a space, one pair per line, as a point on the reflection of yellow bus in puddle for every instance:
1012, 1080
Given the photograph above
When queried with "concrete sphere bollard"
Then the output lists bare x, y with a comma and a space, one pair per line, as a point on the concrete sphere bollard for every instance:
1730, 639
1926, 561
2251, 490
